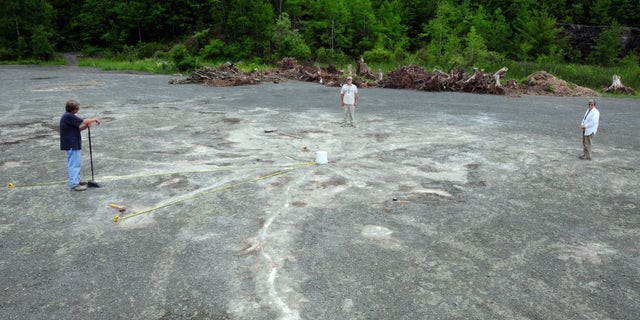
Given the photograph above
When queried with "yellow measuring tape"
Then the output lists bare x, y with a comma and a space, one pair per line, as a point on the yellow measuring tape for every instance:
12, 185
301, 165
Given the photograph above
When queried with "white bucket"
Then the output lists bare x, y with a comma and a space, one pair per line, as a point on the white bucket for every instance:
321, 157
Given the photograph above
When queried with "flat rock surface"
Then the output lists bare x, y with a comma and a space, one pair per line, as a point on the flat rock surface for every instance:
437, 206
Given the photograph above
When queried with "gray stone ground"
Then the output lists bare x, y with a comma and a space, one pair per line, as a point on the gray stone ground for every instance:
495, 216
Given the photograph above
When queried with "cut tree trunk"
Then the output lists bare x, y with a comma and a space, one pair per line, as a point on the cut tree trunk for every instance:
617, 87
499, 74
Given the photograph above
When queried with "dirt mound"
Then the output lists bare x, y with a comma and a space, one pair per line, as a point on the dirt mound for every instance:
544, 83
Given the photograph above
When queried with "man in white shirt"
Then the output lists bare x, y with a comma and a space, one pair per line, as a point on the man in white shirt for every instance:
349, 100
589, 126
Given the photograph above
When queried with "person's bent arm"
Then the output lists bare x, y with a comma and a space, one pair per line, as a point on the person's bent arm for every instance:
86, 123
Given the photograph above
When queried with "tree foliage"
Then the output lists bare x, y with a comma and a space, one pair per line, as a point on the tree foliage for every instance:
288, 42
608, 48
446, 32
24, 23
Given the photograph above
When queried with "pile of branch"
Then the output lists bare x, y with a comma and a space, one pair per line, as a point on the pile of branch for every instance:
410, 77
407, 77
617, 87
364, 70
290, 69
227, 75
404, 77
418, 78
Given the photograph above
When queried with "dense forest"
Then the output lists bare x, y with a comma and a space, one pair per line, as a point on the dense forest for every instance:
428, 32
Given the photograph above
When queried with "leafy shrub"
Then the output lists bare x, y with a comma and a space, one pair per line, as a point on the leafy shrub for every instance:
181, 58
7, 54
22, 50
629, 70
95, 52
161, 55
377, 55
607, 49
149, 49
294, 46
42, 48
335, 57
289, 42
235, 52
163, 66
212, 51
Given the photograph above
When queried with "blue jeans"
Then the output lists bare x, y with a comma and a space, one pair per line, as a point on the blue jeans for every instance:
74, 163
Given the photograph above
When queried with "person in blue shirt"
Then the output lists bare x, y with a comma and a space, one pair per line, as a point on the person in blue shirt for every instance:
71, 142
589, 126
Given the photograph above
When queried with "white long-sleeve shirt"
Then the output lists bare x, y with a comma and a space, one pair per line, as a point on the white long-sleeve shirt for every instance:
590, 121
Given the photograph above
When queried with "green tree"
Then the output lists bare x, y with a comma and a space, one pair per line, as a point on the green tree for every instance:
624, 12
181, 58
577, 14
535, 33
392, 34
18, 21
42, 48
560, 8
66, 36
493, 28
97, 24
288, 42
22, 49
212, 51
250, 24
476, 50
415, 15
327, 25
599, 12
137, 19
299, 12
521, 29
363, 26
445, 34
608, 48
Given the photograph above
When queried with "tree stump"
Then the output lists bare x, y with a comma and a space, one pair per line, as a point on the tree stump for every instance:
617, 87
499, 74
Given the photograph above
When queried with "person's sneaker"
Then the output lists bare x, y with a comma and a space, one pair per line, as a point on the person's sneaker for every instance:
353, 125
84, 183
584, 158
79, 188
